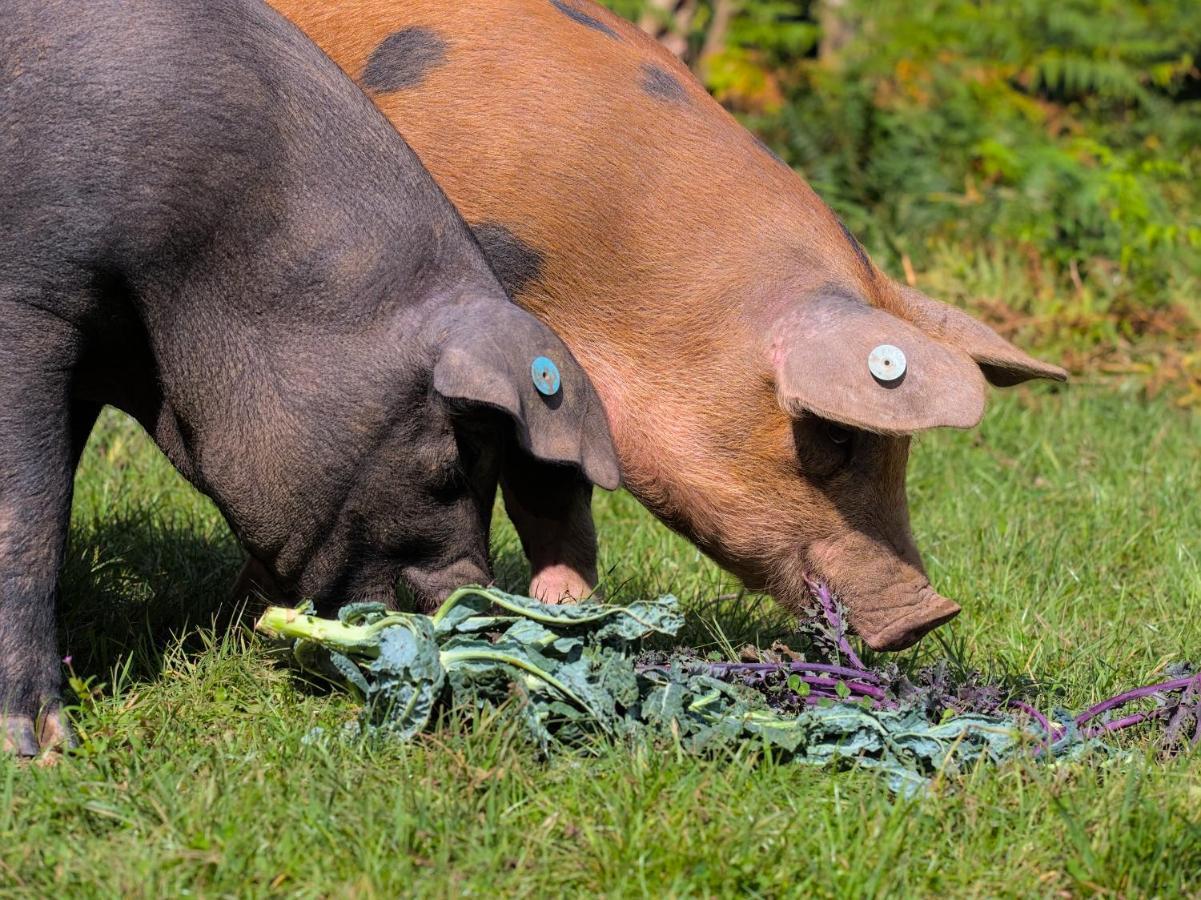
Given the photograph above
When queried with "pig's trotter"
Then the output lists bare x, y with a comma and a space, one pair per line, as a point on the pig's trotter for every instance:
551, 508
562, 583
29, 736
37, 352
55, 731
17, 736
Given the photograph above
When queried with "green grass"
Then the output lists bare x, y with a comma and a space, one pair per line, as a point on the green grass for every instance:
1067, 526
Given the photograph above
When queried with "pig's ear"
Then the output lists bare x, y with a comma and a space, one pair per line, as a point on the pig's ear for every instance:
838, 358
1002, 363
502, 358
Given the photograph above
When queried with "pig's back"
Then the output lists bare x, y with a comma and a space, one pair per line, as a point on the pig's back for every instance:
576, 143
178, 141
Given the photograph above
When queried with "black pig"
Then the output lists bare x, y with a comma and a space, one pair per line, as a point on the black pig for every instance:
204, 223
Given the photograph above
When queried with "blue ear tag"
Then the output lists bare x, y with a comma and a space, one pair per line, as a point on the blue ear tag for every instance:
546, 376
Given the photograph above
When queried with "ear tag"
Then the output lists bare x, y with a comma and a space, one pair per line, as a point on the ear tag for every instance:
886, 363
546, 376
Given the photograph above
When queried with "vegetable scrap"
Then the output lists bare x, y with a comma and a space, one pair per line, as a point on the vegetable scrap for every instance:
571, 673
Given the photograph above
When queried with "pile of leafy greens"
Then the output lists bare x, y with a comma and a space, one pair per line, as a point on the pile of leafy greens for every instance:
574, 672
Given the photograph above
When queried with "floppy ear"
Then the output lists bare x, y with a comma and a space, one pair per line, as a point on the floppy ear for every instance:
1002, 363
485, 359
820, 353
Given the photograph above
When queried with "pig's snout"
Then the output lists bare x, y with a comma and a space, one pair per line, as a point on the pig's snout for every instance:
889, 599
884, 629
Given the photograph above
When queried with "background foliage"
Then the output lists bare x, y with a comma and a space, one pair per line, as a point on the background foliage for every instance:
1037, 161
1059, 524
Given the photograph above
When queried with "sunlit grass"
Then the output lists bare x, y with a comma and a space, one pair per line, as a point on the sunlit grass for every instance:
1067, 526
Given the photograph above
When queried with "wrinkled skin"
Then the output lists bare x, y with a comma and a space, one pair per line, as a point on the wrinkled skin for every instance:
847, 516
851, 530
207, 225
717, 303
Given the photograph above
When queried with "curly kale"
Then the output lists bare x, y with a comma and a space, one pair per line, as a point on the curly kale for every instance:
571, 673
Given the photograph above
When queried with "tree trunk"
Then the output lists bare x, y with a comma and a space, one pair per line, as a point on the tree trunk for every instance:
837, 29
668, 22
715, 36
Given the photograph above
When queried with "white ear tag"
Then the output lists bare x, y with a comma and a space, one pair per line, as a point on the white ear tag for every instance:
886, 362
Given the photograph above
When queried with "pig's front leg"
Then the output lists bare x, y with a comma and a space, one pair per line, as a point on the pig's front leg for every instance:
36, 463
551, 508
256, 587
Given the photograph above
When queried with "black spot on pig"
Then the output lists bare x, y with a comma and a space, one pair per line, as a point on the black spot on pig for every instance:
583, 18
860, 253
403, 59
774, 155
514, 261
662, 85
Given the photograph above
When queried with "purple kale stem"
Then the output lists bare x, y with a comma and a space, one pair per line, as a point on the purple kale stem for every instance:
1189, 705
1176, 722
1149, 690
799, 666
852, 678
1042, 720
823, 686
1124, 722
854, 687
830, 610
815, 699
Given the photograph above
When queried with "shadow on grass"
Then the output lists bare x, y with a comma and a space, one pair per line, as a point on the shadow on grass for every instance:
135, 583
132, 584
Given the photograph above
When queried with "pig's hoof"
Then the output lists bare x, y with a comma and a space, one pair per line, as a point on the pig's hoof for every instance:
23, 736
18, 735
560, 584
55, 731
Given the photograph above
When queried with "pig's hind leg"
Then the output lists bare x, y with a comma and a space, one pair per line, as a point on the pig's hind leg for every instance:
37, 353
551, 508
